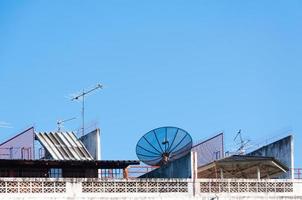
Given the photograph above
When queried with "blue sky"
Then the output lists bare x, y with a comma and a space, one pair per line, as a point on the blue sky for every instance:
205, 66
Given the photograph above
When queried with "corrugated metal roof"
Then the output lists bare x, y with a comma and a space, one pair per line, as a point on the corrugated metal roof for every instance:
63, 146
243, 166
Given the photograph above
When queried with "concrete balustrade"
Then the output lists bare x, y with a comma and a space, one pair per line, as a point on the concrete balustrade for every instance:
68, 188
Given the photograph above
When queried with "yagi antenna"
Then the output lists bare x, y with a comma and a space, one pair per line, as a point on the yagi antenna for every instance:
61, 122
242, 143
240, 136
82, 96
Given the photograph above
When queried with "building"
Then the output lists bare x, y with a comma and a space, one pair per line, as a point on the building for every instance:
69, 170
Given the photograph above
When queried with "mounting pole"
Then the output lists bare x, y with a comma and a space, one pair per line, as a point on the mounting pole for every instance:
83, 113
243, 143
82, 95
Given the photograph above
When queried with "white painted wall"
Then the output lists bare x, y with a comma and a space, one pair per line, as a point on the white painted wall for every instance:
11, 188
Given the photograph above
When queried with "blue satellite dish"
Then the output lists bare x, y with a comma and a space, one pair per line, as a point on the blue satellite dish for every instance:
162, 145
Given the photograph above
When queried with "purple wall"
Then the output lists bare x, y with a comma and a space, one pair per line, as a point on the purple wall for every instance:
209, 150
20, 146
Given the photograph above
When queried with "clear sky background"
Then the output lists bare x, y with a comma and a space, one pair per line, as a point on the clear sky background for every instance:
204, 66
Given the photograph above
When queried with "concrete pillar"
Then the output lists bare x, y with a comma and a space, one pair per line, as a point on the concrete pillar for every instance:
194, 165
195, 188
221, 173
258, 173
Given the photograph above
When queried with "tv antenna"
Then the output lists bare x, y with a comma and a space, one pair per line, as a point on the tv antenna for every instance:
82, 96
61, 122
243, 143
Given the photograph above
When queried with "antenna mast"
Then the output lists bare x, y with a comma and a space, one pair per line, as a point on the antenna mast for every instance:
61, 122
82, 96
243, 144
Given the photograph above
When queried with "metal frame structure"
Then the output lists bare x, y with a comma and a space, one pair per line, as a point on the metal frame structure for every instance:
242, 166
65, 168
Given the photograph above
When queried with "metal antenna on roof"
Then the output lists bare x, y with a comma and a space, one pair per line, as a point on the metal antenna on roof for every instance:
82, 96
243, 143
61, 122
240, 136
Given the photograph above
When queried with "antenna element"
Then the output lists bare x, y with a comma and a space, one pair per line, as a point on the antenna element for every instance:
61, 122
243, 143
82, 96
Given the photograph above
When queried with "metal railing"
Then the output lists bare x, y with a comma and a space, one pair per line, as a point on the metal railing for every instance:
135, 171
132, 172
298, 173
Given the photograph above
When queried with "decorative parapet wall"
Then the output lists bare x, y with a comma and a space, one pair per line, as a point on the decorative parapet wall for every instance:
48, 188
246, 186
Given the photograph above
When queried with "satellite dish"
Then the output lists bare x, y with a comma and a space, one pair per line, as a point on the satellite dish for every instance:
162, 145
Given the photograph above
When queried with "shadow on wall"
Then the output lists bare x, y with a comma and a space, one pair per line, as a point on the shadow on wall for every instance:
281, 150
92, 143
180, 168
